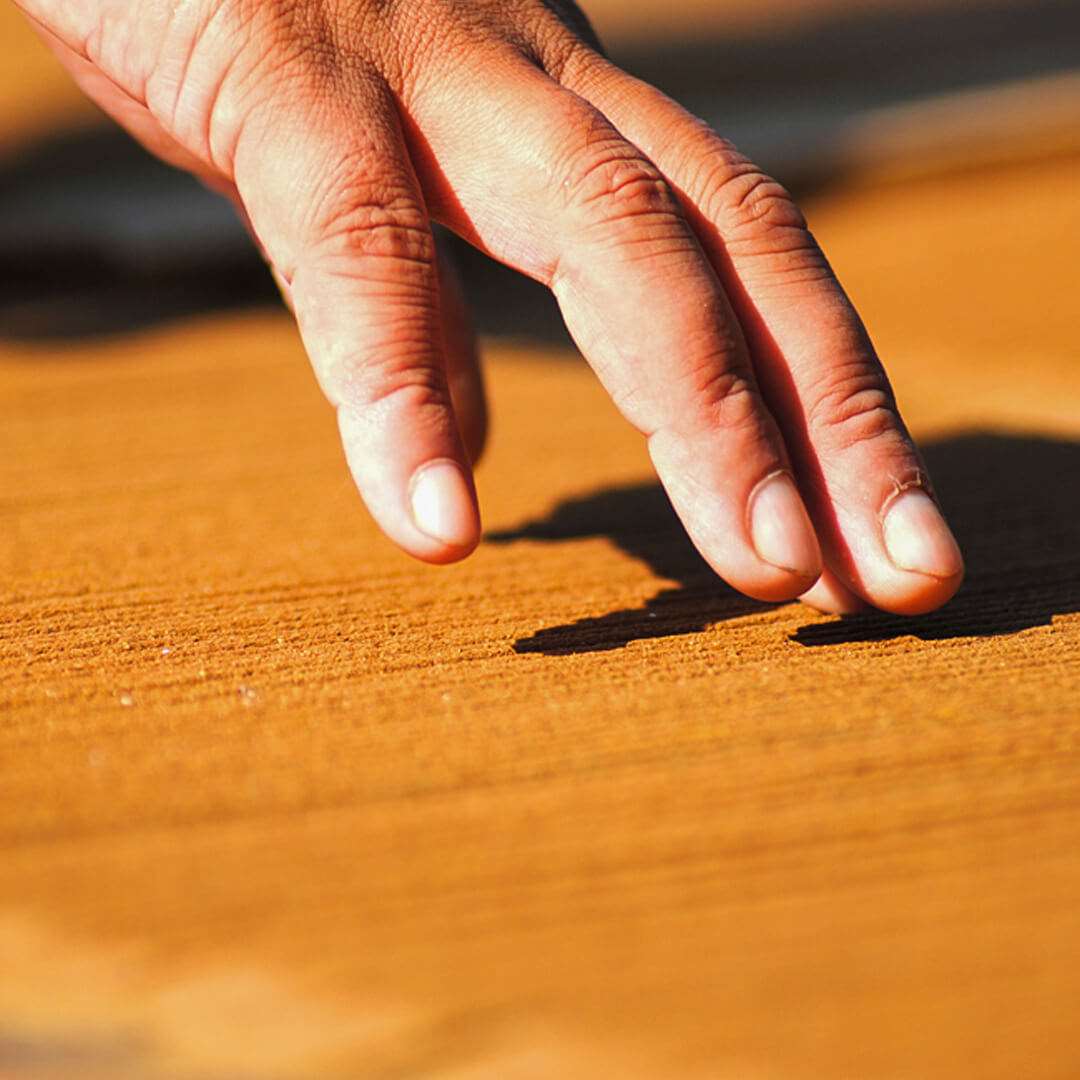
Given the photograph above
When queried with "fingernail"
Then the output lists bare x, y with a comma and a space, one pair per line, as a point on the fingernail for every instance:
917, 538
781, 530
442, 504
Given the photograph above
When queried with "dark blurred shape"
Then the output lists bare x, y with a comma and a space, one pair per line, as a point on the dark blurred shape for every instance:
786, 96
1012, 503
1021, 539
97, 237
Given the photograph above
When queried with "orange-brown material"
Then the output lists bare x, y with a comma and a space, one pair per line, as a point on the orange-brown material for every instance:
277, 802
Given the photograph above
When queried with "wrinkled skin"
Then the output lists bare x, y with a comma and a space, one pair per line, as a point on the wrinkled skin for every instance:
343, 128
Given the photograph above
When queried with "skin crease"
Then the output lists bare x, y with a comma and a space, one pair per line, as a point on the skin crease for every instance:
342, 129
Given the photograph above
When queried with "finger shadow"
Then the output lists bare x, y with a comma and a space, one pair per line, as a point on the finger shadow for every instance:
1012, 501
639, 520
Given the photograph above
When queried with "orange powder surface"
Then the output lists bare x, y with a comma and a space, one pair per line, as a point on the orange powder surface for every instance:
277, 802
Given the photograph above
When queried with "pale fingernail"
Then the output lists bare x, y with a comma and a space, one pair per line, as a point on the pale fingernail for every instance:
917, 538
781, 530
442, 504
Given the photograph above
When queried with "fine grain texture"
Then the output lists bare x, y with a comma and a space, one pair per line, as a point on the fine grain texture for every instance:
276, 802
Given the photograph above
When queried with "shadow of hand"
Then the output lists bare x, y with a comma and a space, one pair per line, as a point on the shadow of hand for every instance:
639, 520
1012, 501
1014, 504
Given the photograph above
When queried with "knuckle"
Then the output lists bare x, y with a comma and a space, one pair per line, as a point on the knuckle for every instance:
758, 200
219, 63
854, 405
408, 378
363, 223
731, 401
750, 201
724, 397
609, 181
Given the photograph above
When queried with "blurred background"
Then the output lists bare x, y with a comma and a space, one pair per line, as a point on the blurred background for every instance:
96, 237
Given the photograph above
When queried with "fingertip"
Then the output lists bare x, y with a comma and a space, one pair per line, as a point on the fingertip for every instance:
924, 566
749, 523
781, 531
917, 538
777, 587
917, 594
430, 510
442, 503
782, 537
830, 596
442, 555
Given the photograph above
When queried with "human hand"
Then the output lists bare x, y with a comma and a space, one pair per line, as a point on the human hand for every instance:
342, 128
